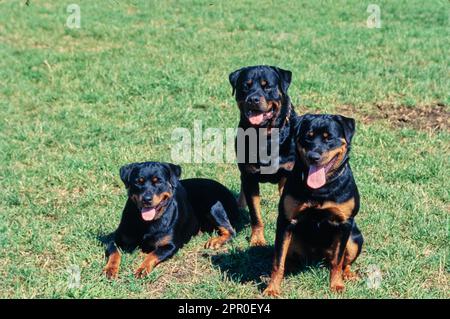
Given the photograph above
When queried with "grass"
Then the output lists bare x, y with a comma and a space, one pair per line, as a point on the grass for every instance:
76, 104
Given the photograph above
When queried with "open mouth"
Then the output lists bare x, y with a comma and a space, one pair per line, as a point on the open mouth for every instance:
148, 213
317, 174
259, 117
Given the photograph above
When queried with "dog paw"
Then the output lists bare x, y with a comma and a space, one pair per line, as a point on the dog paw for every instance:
338, 287
214, 243
257, 239
142, 271
111, 272
272, 291
350, 276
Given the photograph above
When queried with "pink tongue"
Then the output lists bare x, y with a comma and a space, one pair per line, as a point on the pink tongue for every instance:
148, 213
316, 177
256, 119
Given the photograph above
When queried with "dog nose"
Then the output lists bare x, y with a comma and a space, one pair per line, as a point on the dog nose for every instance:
253, 99
147, 198
313, 156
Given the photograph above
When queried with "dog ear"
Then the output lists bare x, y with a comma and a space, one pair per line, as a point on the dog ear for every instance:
233, 77
285, 78
125, 172
297, 123
175, 173
348, 124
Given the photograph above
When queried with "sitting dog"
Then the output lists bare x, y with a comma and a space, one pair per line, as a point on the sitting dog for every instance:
319, 202
264, 105
162, 213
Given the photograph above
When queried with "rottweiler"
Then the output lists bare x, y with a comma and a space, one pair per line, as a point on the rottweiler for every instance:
319, 202
163, 212
261, 93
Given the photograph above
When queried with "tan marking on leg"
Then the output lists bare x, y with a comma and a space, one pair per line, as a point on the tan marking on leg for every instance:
349, 274
274, 287
257, 237
336, 263
150, 261
111, 269
164, 241
218, 241
351, 253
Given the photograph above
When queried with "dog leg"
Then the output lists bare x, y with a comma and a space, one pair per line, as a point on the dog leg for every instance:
251, 191
352, 251
111, 269
282, 243
241, 202
152, 259
222, 223
335, 256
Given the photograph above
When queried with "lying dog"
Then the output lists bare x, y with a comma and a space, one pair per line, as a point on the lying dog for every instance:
162, 213
261, 95
319, 202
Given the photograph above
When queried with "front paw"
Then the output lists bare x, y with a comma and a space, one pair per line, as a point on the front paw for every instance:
272, 291
143, 271
111, 272
337, 287
257, 238
214, 243
351, 276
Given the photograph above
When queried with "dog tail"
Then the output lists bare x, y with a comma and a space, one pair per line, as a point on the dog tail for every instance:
221, 216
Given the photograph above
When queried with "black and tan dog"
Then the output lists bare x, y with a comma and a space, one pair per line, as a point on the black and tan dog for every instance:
319, 202
162, 213
261, 95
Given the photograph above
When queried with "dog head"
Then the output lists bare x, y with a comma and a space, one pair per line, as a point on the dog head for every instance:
150, 186
260, 93
323, 143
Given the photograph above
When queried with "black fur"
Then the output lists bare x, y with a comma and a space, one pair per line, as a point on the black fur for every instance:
255, 89
194, 205
316, 228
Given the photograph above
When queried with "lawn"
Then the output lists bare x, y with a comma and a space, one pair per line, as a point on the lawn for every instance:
76, 104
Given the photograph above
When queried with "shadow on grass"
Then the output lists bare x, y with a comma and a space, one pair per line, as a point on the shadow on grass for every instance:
105, 238
255, 265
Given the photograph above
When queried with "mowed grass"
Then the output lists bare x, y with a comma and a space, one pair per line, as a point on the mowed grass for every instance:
77, 104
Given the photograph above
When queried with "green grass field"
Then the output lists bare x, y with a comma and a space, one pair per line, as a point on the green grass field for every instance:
76, 104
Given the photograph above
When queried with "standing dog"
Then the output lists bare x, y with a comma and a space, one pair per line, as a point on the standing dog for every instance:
162, 213
264, 105
319, 202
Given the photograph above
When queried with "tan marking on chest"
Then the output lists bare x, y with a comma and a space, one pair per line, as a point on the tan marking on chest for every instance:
292, 207
340, 211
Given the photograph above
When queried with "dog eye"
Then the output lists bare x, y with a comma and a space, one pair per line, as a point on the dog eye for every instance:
265, 85
141, 181
326, 136
155, 180
310, 134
